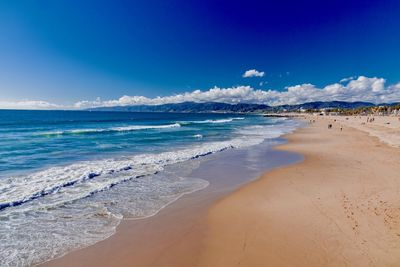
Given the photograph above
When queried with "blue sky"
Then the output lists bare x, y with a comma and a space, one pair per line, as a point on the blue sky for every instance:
64, 52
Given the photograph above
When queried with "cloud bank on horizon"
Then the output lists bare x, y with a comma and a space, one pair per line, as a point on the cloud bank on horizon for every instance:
360, 89
349, 89
29, 104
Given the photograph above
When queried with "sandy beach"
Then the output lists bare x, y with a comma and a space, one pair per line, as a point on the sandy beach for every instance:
385, 128
338, 207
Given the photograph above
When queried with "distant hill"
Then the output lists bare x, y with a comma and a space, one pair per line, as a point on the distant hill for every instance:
187, 107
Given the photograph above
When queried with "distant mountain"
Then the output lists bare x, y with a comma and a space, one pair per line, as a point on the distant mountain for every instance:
187, 107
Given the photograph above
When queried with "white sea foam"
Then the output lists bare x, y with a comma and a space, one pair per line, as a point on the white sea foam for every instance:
85, 221
268, 131
145, 127
213, 121
112, 129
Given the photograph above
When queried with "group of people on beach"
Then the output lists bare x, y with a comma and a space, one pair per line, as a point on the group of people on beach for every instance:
330, 125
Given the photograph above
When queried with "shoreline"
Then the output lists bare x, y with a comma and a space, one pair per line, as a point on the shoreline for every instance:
181, 225
337, 207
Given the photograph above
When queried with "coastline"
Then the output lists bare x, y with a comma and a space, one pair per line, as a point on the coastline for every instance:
337, 207
179, 228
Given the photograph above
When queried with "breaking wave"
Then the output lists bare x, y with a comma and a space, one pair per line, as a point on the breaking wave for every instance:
112, 129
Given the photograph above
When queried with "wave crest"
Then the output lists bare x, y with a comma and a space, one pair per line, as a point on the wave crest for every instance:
213, 121
112, 129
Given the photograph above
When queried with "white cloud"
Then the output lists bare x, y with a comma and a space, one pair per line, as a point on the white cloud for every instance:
28, 104
358, 89
253, 73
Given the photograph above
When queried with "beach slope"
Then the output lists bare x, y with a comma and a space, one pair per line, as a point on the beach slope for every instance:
340, 207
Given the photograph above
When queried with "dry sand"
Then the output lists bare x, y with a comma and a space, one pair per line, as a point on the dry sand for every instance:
339, 207
386, 128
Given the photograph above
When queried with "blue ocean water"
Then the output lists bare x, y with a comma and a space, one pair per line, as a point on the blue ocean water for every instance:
35, 139
79, 173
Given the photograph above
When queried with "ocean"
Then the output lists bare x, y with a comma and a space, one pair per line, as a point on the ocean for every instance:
67, 178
